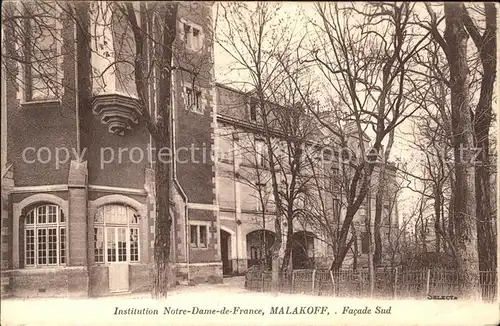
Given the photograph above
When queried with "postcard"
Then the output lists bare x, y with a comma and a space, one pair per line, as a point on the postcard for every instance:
249, 163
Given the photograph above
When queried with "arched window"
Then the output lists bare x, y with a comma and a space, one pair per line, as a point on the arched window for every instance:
45, 236
116, 234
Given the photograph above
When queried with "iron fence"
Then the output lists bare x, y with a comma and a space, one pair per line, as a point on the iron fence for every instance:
389, 283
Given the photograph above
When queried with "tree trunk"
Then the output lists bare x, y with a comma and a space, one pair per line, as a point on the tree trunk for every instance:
371, 267
437, 217
482, 123
288, 246
463, 142
355, 249
163, 177
377, 255
84, 90
353, 205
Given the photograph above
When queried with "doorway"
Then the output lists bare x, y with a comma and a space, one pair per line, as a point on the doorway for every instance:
225, 245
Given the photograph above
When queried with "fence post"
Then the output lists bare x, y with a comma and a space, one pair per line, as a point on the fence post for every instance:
395, 294
262, 282
333, 282
360, 283
313, 279
293, 281
428, 285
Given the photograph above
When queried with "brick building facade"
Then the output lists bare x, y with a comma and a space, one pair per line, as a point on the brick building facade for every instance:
78, 202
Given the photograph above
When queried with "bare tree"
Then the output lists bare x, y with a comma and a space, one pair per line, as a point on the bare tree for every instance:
454, 45
250, 34
485, 43
368, 73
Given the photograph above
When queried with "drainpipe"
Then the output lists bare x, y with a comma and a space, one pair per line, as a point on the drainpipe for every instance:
174, 175
78, 149
235, 185
77, 102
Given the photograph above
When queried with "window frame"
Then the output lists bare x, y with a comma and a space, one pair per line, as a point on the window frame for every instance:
61, 245
261, 154
193, 99
26, 69
252, 111
198, 243
188, 39
115, 227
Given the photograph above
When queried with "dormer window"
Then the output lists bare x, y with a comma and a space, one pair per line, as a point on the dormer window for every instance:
192, 36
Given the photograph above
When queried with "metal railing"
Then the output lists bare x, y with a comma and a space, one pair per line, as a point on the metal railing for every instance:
389, 283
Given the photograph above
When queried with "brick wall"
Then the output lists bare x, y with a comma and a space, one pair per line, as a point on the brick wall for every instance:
201, 273
50, 282
77, 227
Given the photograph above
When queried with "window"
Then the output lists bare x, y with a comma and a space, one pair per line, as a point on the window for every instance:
193, 99
116, 234
365, 242
387, 215
225, 150
255, 252
327, 155
192, 37
45, 237
198, 236
335, 179
253, 111
261, 157
336, 209
42, 52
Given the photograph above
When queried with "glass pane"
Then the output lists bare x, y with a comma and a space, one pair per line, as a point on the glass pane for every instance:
61, 215
99, 245
121, 214
111, 244
52, 214
134, 244
52, 246
109, 214
42, 214
99, 216
116, 214
194, 235
122, 244
203, 235
30, 247
42, 246
43, 88
62, 246
30, 218
133, 216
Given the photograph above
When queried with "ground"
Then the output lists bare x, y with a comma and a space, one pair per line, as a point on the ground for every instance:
237, 306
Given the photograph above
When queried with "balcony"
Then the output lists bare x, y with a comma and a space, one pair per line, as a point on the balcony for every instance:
119, 112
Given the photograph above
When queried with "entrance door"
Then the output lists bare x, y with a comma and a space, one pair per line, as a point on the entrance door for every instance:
224, 251
117, 259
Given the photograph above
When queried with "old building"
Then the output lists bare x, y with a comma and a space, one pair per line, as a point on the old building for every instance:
78, 192
78, 189
245, 201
